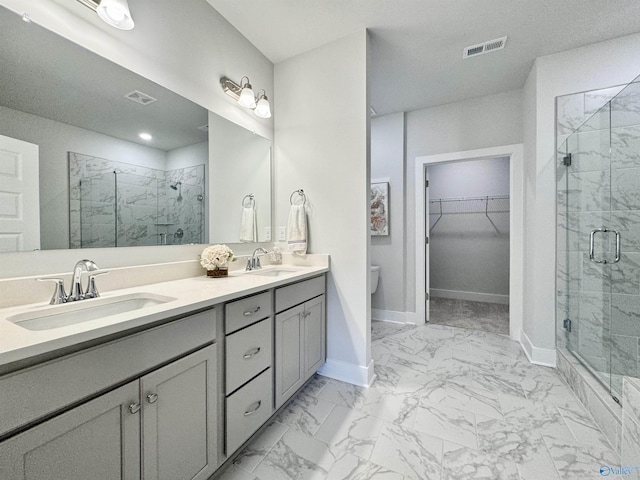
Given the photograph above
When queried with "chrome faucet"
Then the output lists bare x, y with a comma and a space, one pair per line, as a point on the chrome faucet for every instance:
254, 262
77, 292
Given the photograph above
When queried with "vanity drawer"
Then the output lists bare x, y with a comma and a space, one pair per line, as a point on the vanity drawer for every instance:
30, 394
292, 295
246, 311
248, 409
249, 352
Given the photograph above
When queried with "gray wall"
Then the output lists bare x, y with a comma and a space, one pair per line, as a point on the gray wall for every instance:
467, 256
479, 123
387, 164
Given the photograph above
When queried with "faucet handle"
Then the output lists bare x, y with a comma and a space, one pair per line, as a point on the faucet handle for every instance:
92, 290
59, 295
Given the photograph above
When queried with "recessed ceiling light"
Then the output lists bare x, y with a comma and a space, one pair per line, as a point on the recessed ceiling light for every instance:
145, 136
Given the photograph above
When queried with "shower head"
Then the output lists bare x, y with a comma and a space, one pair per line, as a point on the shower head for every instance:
174, 185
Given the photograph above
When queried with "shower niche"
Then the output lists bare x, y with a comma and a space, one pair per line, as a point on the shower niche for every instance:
117, 204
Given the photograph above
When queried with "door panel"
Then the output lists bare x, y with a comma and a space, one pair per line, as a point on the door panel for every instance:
19, 195
99, 440
178, 417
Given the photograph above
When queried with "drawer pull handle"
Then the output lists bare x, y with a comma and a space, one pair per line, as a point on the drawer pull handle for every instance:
134, 407
248, 313
251, 353
254, 410
152, 398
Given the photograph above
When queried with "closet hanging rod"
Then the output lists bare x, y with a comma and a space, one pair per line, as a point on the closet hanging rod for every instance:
470, 199
481, 206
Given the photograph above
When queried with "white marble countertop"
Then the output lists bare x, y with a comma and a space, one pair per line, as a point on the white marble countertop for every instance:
18, 343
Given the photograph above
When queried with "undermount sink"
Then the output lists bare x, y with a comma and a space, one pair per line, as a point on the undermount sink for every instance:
57, 316
272, 272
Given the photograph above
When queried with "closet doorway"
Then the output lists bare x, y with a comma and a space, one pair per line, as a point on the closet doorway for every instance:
457, 280
468, 205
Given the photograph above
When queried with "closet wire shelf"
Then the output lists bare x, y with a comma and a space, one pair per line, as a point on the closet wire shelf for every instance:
487, 205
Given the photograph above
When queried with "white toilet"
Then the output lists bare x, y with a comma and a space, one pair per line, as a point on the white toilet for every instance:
375, 275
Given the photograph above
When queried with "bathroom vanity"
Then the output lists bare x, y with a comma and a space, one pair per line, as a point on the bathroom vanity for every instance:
170, 390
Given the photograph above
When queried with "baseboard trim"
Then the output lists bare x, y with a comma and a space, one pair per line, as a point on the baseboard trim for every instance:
349, 372
537, 355
470, 296
388, 316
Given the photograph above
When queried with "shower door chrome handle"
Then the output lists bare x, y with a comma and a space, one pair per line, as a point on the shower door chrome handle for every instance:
592, 237
617, 259
592, 245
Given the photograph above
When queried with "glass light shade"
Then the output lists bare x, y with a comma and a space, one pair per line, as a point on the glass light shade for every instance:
116, 13
263, 109
247, 98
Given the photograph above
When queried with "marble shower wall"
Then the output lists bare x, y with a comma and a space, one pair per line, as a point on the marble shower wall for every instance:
119, 204
599, 189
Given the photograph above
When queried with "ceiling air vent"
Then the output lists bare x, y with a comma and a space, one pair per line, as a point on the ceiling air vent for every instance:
141, 98
486, 47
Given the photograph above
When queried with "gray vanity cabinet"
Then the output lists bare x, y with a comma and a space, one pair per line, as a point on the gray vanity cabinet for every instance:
167, 416
178, 419
300, 335
99, 440
160, 425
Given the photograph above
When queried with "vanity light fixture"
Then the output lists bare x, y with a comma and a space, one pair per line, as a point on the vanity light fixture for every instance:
244, 95
113, 12
263, 110
247, 98
116, 13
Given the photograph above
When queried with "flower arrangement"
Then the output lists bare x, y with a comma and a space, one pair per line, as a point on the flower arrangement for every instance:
215, 259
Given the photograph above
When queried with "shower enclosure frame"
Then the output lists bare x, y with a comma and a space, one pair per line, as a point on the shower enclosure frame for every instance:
598, 237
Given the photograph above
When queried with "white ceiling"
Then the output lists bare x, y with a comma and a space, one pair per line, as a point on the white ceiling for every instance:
417, 44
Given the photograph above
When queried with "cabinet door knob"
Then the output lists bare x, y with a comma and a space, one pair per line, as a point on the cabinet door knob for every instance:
253, 410
251, 353
248, 313
152, 397
134, 407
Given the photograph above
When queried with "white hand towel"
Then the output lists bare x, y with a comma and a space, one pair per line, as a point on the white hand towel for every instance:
248, 227
297, 229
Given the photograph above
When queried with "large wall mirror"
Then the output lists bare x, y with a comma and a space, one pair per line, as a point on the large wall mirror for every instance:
93, 155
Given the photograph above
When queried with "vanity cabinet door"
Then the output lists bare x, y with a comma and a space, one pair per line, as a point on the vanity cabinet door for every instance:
289, 356
99, 440
314, 336
179, 415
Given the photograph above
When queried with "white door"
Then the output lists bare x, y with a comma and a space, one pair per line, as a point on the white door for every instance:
19, 196
427, 227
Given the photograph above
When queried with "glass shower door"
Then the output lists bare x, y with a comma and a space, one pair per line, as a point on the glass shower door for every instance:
590, 247
625, 204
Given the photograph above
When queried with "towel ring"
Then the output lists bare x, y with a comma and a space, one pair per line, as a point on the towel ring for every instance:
300, 193
252, 201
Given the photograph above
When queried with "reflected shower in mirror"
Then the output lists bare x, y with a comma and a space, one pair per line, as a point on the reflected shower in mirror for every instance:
122, 161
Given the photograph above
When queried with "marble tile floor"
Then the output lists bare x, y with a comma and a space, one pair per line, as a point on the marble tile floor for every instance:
447, 403
486, 317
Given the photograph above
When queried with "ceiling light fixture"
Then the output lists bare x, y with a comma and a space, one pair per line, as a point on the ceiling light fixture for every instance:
145, 136
244, 95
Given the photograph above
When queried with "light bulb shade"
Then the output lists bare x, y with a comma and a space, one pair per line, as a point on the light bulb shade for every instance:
116, 13
247, 98
263, 109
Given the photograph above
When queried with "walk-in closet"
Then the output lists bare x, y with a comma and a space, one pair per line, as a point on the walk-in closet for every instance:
468, 241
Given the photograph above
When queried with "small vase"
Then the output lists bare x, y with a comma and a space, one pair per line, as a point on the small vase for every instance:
218, 272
